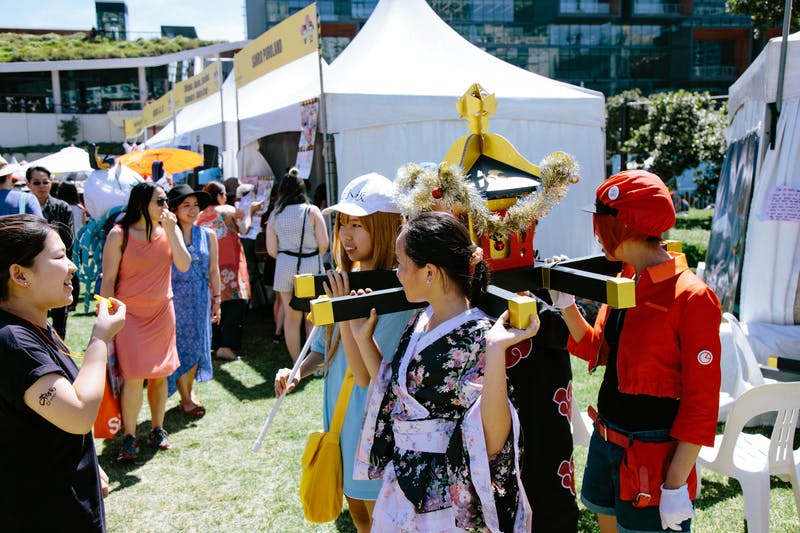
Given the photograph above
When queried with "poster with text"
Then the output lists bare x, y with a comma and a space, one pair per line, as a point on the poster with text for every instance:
309, 111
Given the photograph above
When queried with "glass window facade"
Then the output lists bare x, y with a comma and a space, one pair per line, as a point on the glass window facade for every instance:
26, 92
95, 91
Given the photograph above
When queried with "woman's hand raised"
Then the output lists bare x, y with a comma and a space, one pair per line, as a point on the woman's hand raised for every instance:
168, 219
499, 337
110, 319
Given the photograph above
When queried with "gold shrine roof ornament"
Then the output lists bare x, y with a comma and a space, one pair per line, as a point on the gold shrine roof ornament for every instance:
486, 157
484, 175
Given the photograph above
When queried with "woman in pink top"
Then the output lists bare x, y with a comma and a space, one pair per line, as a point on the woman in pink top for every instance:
137, 260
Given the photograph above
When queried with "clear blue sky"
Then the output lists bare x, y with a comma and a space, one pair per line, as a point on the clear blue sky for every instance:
213, 19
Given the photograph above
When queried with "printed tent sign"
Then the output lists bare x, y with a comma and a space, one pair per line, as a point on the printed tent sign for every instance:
295, 37
158, 111
194, 89
133, 127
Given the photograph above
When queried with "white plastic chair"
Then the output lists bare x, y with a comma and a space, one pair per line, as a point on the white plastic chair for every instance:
748, 372
582, 425
751, 459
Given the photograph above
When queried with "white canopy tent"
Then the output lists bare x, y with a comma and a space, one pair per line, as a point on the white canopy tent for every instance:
270, 104
390, 99
201, 123
771, 269
267, 105
69, 159
769, 301
391, 94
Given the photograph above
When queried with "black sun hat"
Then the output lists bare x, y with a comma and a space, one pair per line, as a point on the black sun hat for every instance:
179, 193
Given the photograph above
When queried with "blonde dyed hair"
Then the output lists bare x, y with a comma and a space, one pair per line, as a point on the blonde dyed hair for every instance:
383, 229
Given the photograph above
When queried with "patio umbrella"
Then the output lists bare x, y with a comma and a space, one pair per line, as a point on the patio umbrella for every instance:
174, 160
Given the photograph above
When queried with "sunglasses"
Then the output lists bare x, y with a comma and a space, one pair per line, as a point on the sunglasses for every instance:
161, 201
39, 183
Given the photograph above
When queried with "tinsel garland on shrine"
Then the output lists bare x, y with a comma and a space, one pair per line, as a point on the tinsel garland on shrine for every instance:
446, 187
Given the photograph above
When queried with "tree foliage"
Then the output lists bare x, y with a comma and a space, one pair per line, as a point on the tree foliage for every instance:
675, 131
766, 13
626, 103
53, 47
68, 129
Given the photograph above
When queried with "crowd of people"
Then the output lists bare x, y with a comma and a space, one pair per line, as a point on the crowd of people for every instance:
440, 432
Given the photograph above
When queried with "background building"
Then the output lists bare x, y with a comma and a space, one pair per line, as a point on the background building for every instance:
607, 45
112, 19
102, 93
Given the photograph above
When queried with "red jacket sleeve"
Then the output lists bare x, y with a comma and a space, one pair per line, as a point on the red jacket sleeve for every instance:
696, 421
589, 347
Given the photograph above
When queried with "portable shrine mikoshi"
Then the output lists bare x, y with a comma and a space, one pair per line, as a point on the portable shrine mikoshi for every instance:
500, 195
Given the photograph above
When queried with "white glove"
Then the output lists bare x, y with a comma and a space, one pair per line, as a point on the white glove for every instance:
675, 507
561, 300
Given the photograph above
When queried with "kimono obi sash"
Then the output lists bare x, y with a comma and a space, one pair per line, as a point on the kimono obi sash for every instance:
431, 435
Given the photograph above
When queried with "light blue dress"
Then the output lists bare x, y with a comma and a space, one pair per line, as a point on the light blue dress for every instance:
192, 302
387, 335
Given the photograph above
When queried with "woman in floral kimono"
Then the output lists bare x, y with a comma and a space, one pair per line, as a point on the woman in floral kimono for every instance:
439, 428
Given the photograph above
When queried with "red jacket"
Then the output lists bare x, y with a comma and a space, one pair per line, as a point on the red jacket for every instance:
669, 346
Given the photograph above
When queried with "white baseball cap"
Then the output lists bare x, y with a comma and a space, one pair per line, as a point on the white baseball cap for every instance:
364, 195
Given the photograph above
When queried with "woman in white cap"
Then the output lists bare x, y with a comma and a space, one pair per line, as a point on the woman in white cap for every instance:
367, 222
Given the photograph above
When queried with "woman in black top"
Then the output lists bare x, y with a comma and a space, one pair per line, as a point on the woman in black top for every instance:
51, 479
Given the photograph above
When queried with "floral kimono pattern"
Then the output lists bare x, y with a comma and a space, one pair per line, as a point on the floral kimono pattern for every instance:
234, 279
423, 435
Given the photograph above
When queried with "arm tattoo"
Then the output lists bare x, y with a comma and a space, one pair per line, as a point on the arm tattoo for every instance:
47, 397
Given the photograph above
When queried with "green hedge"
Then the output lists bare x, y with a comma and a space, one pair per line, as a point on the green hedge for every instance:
695, 219
694, 241
51, 47
103, 148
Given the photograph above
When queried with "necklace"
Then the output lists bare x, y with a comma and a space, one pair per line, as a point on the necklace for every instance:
63, 349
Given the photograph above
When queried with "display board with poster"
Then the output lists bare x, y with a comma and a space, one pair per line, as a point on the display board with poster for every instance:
309, 113
262, 188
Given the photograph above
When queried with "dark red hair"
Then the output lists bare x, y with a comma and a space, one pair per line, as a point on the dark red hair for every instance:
612, 232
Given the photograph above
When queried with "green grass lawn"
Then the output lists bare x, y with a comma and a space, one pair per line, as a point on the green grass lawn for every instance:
211, 480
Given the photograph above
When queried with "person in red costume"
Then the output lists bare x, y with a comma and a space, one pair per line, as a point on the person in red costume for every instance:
659, 398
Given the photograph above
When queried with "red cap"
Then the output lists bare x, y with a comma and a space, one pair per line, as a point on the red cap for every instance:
639, 199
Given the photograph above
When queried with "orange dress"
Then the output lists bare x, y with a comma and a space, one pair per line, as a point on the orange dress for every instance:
145, 346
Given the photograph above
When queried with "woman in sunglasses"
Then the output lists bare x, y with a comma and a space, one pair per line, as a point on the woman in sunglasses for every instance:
137, 261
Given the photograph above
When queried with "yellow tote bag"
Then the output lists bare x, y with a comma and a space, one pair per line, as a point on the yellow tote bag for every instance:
321, 483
